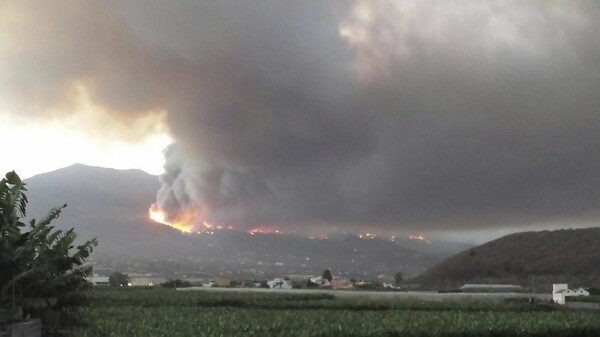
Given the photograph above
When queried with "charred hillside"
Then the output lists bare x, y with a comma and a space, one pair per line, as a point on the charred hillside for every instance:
530, 258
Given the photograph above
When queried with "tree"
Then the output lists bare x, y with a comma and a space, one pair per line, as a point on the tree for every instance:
311, 284
327, 275
43, 272
398, 278
117, 279
177, 283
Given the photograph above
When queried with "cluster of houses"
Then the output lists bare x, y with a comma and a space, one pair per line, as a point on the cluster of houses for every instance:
225, 282
318, 282
561, 291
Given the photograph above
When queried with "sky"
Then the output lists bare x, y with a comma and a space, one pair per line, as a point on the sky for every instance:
431, 115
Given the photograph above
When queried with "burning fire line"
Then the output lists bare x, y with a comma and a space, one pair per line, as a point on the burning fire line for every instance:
264, 230
157, 215
185, 224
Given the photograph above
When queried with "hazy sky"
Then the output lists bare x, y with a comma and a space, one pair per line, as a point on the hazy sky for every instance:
428, 115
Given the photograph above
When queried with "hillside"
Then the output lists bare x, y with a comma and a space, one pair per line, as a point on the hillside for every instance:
105, 203
569, 255
112, 205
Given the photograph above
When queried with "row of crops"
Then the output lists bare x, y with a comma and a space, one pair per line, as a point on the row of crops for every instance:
171, 313
591, 299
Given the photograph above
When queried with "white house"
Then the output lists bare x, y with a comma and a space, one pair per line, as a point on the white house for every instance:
561, 290
320, 281
580, 292
279, 283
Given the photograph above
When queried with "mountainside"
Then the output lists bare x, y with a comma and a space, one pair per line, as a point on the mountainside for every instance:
109, 204
535, 259
112, 205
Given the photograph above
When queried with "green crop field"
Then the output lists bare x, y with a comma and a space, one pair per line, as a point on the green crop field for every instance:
163, 312
592, 299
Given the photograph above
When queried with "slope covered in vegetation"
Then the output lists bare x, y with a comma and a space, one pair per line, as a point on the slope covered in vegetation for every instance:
535, 259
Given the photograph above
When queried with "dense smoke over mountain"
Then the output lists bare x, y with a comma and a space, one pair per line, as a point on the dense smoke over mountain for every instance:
302, 114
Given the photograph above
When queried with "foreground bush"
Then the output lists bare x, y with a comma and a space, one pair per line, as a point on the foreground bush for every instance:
43, 273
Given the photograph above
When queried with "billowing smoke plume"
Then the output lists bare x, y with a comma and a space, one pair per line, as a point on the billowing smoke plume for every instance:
392, 114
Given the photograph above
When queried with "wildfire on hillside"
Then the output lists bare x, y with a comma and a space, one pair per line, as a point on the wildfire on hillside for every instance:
187, 222
183, 223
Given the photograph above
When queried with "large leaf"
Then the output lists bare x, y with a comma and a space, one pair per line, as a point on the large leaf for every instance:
13, 178
42, 270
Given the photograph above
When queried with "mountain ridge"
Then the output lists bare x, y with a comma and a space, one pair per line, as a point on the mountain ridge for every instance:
539, 257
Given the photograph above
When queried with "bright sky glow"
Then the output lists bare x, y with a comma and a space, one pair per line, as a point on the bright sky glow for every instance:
36, 147
86, 133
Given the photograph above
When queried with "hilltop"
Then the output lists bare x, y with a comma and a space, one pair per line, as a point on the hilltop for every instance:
561, 256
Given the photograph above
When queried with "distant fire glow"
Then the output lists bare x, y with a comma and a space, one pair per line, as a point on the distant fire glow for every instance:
367, 236
418, 237
183, 224
187, 222
264, 230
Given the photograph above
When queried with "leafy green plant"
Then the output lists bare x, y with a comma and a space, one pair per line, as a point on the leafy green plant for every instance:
44, 273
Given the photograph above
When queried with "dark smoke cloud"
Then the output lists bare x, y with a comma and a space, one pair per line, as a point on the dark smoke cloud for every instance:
428, 115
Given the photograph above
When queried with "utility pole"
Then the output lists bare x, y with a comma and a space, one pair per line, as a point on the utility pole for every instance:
532, 299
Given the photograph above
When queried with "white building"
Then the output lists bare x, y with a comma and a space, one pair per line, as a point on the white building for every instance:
145, 281
581, 292
279, 283
320, 281
561, 290
209, 284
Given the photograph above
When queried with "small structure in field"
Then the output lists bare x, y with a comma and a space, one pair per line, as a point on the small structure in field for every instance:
146, 281
321, 282
560, 291
222, 282
279, 283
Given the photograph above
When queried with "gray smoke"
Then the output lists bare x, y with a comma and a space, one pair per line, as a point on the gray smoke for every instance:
300, 114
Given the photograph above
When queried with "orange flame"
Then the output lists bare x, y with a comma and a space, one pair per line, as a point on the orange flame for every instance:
183, 223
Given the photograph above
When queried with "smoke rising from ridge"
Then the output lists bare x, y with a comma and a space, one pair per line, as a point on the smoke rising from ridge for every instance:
301, 114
